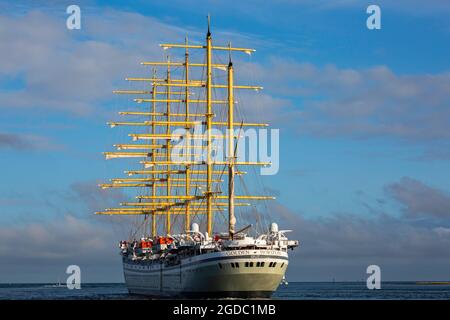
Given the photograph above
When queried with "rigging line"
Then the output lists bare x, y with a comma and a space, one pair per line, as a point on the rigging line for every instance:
135, 220
260, 218
218, 186
137, 230
258, 178
199, 109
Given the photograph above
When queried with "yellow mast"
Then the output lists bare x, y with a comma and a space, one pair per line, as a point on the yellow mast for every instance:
168, 149
154, 88
231, 217
188, 173
208, 132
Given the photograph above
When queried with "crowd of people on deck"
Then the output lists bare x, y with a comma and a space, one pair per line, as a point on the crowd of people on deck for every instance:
146, 245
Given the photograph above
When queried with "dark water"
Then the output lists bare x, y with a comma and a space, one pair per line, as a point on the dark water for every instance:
295, 290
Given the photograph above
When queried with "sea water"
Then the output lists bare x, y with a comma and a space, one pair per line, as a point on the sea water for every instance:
294, 290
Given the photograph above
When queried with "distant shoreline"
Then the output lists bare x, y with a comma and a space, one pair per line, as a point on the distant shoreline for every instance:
432, 283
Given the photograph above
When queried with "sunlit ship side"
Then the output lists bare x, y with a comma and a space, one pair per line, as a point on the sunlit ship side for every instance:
243, 268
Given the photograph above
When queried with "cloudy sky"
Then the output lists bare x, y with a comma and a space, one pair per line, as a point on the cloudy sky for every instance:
364, 117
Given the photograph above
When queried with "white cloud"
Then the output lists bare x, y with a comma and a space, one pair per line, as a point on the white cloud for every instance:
341, 246
62, 238
419, 199
442, 232
27, 142
74, 72
365, 103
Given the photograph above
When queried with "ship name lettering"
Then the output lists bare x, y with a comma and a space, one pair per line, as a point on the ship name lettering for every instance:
252, 253
237, 252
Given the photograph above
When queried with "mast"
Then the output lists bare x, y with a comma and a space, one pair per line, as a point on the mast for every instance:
168, 144
154, 88
208, 130
187, 226
231, 217
160, 200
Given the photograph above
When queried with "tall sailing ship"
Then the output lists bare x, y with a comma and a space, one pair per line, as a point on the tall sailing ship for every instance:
189, 243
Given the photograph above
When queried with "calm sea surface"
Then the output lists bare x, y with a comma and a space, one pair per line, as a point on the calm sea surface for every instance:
295, 290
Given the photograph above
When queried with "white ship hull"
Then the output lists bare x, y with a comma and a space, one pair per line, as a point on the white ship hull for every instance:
232, 273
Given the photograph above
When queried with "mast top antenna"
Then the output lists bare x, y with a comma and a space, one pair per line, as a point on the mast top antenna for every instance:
229, 54
209, 26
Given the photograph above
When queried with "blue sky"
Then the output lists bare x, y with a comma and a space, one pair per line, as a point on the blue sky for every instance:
364, 118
